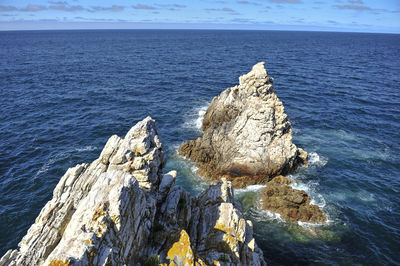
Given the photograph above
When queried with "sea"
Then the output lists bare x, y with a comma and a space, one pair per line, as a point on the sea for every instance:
64, 93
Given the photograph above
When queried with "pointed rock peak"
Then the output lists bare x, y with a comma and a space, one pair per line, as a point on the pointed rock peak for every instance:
147, 125
259, 69
257, 72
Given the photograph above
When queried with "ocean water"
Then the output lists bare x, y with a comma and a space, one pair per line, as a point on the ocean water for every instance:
64, 93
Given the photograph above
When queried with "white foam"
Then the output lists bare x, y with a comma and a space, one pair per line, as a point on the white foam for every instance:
265, 214
195, 117
200, 116
314, 159
87, 148
59, 156
251, 188
46, 166
310, 225
321, 203
309, 188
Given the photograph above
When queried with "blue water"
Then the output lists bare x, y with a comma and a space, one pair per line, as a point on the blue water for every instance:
63, 93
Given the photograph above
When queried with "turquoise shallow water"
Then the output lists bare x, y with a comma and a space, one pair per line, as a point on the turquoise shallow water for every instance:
63, 93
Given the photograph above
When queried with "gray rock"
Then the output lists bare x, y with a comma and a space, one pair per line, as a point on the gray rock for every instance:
121, 210
247, 136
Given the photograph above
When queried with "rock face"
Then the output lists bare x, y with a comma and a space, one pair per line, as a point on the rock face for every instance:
291, 204
247, 136
120, 209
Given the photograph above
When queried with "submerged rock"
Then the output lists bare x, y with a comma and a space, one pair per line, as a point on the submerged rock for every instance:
291, 204
121, 210
247, 136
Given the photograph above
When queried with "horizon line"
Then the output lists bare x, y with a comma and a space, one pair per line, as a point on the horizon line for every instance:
199, 29
93, 25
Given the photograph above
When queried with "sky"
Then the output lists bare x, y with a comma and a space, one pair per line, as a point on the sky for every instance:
315, 15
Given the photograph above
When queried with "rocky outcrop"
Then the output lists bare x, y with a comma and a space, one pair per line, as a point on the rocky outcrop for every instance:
291, 204
121, 210
247, 137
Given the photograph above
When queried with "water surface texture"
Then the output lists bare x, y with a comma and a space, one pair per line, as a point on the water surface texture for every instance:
64, 93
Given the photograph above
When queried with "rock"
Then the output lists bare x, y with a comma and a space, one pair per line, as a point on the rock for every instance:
291, 204
247, 136
181, 253
220, 230
121, 210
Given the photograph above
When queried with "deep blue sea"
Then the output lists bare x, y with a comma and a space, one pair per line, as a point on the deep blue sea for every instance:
64, 93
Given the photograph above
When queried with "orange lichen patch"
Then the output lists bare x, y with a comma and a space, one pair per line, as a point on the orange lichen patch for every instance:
182, 250
60, 263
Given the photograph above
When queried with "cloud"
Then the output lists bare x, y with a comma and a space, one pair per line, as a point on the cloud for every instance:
58, 2
143, 7
171, 5
242, 20
64, 6
55, 5
108, 8
67, 8
353, 7
286, 1
100, 19
33, 8
225, 9
178, 6
248, 3
361, 2
7, 8
358, 5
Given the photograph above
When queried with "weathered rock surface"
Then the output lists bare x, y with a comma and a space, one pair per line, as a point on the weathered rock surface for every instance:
120, 209
291, 204
247, 136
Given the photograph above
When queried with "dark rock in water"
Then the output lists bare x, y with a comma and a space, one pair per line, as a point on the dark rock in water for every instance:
247, 137
291, 204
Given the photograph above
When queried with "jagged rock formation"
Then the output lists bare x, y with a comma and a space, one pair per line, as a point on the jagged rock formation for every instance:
120, 209
247, 136
291, 204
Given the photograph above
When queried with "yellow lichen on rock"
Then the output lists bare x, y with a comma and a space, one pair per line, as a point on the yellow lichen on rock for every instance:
199, 262
181, 250
59, 263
